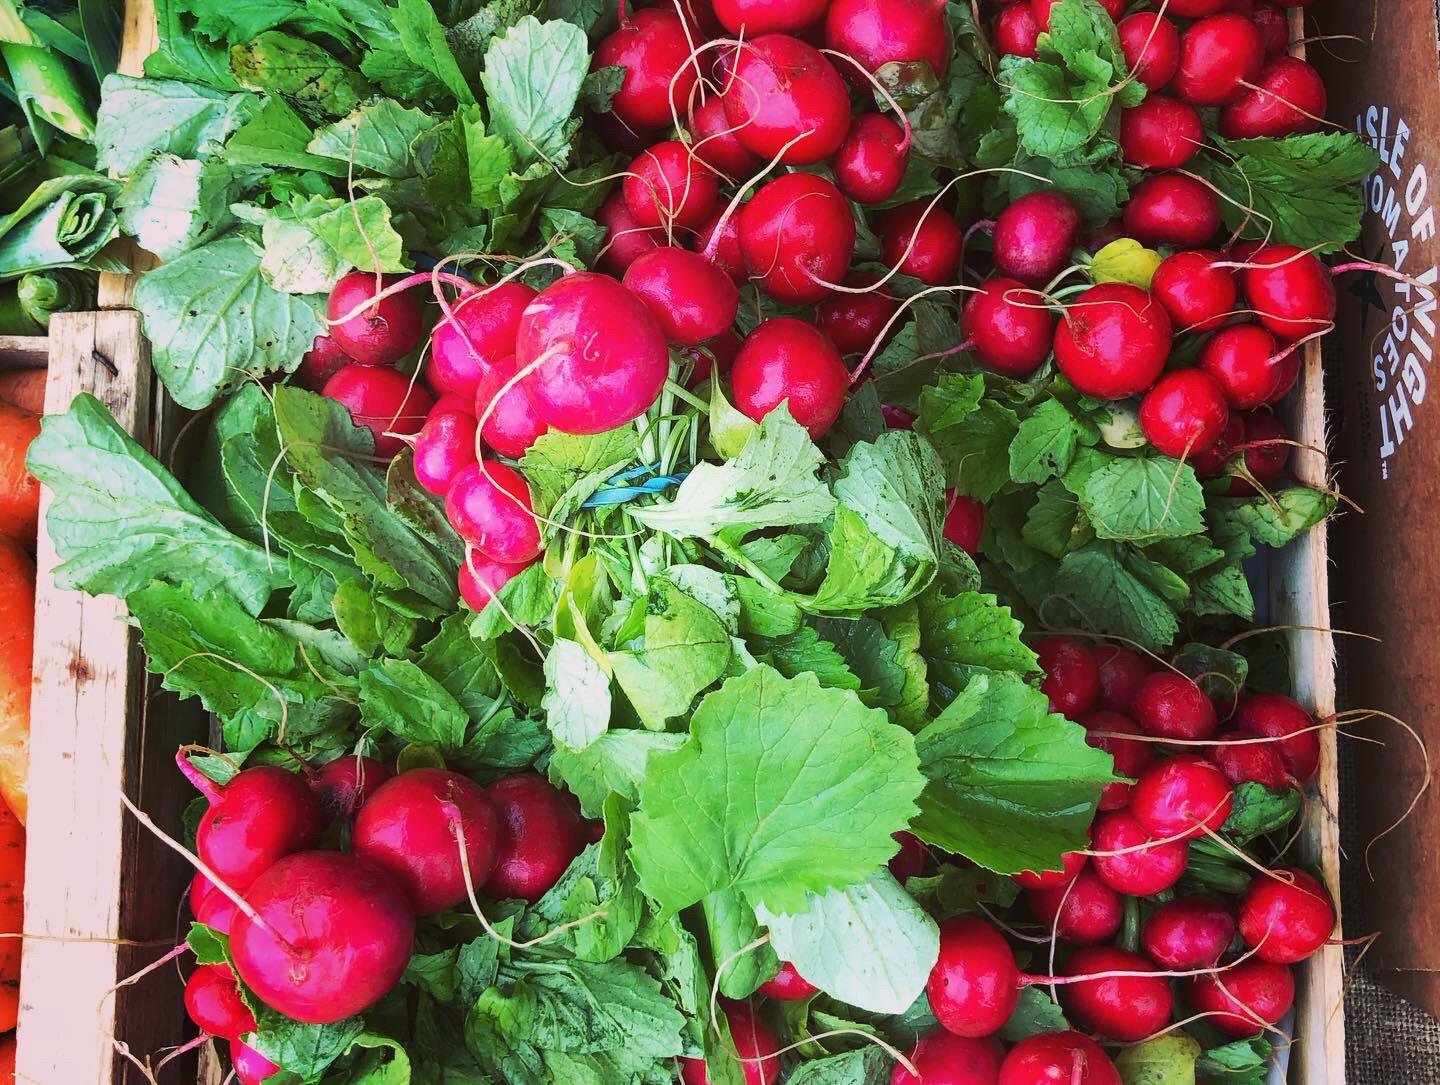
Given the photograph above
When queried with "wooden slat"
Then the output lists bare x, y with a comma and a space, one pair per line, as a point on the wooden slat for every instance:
24, 351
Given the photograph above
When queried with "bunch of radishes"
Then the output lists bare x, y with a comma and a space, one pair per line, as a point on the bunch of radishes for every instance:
318, 934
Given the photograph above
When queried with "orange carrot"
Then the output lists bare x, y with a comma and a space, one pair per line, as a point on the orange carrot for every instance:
12, 915
19, 492
23, 388
17, 658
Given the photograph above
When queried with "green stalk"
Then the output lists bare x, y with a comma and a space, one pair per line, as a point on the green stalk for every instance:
42, 293
43, 82
14, 320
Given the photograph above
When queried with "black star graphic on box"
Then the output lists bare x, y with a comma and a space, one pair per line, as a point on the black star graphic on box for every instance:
1366, 287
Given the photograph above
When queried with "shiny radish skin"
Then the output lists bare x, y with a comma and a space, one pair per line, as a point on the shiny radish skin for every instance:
1161, 133
964, 522
1122, 671
714, 142
1136, 870
408, 829
1034, 236
480, 331
1274, 27
1188, 934
1285, 720
1181, 797
754, 1042
386, 402
1151, 44
726, 253
1211, 462
690, 298
754, 17
262, 815
1291, 290
880, 32
1125, 1008
945, 1059
380, 333
783, 91
251, 1067
1197, 9
1245, 999
1072, 679
322, 361
1249, 364
1288, 99
212, 999
1072, 863
653, 48
1269, 453
1086, 912
1172, 209
340, 934
1017, 34
542, 833
787, 985
1042, 9
1184, 413
798, 235
1217, 55
975, 984
1113, 341
444, 447
489, 507
481, 579
599, 358
1010, 328
922, 241
1247, 757
1058, 1058
1199, 296
785, 360
1286, 916
871, 163
854, 322
670, 188
210, 906
347, 783
1131, 758
625, 239
511, 423
1170, 705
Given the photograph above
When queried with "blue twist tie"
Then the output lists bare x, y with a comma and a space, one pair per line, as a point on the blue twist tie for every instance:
618, 492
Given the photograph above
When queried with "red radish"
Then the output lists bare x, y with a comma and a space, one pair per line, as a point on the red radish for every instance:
1016, 31
453, 404
1184, 413
965, 522
912, 859
880, 32
1072, 863
754, 17
1248, 363
625, 239
923, 241
1217, 55
975, 983
251, 1067
599, 358
1172, 209
338, 934
260, 816
345, 784
896, 417
1244, 756
1125, 1008
798, 235
443, 448
1084, 913
212, 999
511, 423
1131, 758
720, 351
1274, 27
381, 332
853, 322
1122, 670
654, 49
1210, 463
542, 834
210, 906
1042, 9
1034, 236
699, 15
1061, 1058
945, 1059
1181, 797
1152, 47
481, 332
871, 163
1197, 294
1161, 133
1169, 705
788, 985
668, 186
1245, 999
321, 362
754, 1043
691, 299
1288, 98
411, 826
489, 507
1291, 290
714, 142
384, 401
481, 579
1187, 934
1072, 680
726, 253
1128, 865
1113, 341
1197, 9
785, 360
1276, 716
1268, 453
1286, 916
1010, 328
783, 92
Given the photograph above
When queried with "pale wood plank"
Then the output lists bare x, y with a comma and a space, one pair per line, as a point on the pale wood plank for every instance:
24, 351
